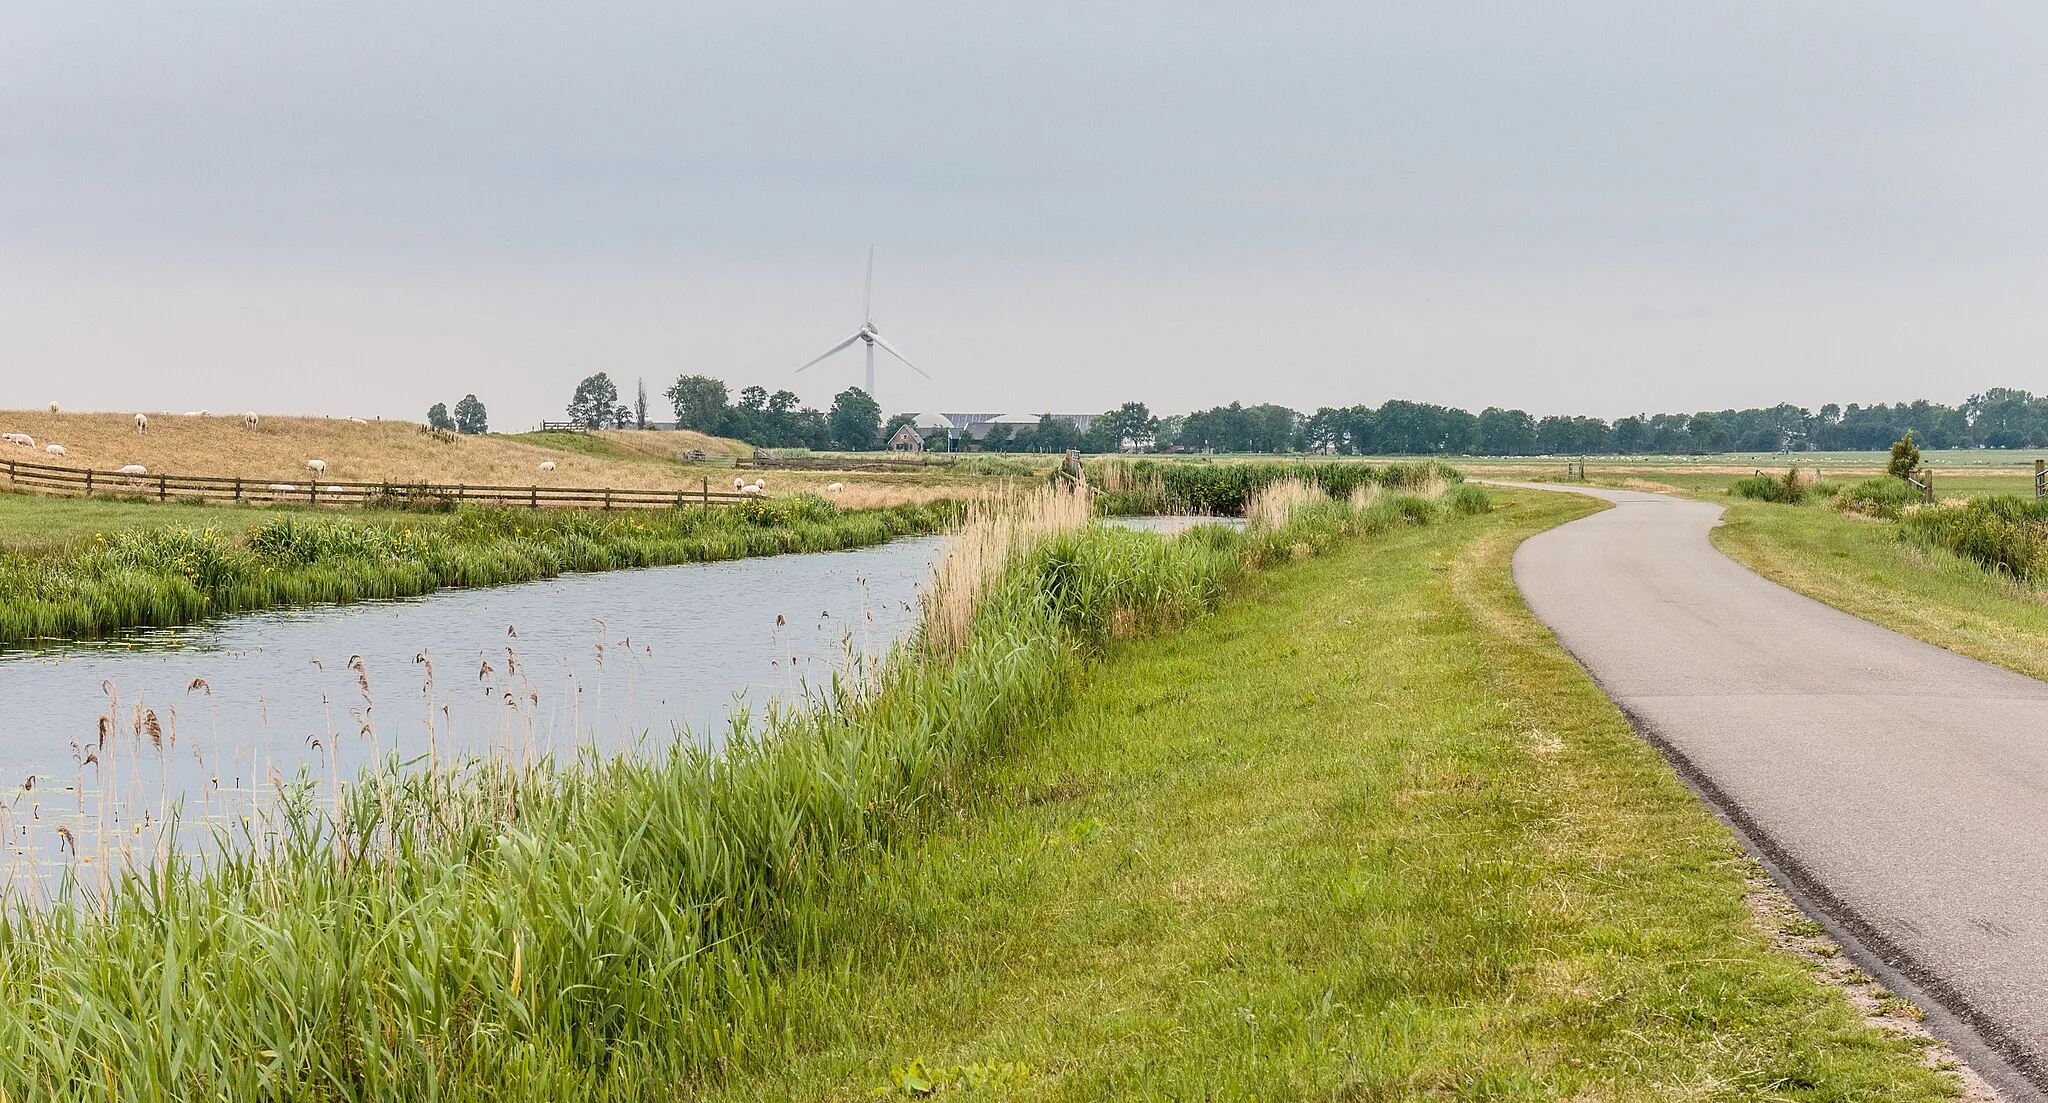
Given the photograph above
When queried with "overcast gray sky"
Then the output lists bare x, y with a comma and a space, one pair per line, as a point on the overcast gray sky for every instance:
366, 207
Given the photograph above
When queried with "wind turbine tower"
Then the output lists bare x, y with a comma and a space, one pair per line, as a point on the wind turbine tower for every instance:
868, 335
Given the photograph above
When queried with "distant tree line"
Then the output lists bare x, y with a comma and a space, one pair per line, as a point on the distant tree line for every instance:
2002, 417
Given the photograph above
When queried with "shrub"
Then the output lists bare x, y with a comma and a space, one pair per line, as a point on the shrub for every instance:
1881, 497
1905, 457
1788, 489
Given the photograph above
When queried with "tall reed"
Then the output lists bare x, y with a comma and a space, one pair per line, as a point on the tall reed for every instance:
1146, 486
2000, 532
997, 530
1270, 506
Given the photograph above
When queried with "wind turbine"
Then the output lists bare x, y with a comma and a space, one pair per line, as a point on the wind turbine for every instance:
869, 334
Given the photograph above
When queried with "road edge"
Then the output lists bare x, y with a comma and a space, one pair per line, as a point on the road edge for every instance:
1974, 1036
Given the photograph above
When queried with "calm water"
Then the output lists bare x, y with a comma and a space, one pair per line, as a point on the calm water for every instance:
582, 660
603, 660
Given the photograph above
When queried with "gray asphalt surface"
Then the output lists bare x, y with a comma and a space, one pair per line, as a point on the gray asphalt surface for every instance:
1901, 787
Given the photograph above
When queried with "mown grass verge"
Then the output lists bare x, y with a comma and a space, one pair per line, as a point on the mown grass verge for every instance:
1862, 566
164, 575
1963, 574
620, 929
1368, 834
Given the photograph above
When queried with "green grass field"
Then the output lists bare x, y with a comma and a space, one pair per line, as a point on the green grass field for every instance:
41, 525
1863, 567
1366, 834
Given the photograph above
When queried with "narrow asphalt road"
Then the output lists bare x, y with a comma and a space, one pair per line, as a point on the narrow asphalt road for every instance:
1901, 788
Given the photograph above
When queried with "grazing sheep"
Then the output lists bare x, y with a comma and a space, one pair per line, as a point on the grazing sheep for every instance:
195, 413
317, 467
22, 439
53, 407
142, 423
760, 486
739, 483
834, 488
750, 491
54, 449
547, 465
283, 488
333, 490
134, 469
249, 419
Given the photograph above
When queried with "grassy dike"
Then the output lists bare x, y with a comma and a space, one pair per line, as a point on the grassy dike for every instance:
1367, 833
183, 564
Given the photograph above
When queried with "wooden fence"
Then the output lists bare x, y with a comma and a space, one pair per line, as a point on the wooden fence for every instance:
163, 488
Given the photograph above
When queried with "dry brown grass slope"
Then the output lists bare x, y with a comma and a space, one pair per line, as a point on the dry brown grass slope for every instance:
278, 447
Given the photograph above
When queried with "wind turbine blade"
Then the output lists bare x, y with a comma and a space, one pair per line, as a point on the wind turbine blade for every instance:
835, 348
891, 350
867, 297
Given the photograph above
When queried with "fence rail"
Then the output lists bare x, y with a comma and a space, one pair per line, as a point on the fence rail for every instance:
89, 483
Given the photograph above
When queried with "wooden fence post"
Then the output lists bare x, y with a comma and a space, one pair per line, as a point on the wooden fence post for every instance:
707, 495
88, 482
607, 497
313, 493
10, 471
238, 488
159, 487
2041, 478
1927, 486
533, 498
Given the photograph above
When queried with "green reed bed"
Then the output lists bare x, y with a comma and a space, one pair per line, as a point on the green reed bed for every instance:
589, 929
2004, 533
176, 575
1141, 487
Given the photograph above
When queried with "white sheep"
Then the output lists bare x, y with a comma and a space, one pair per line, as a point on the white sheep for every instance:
54, 449
283, 488
142, 423
249, 419
22, 439
357, 421
739, 483
317, 467
547, 466
749, 491
333, 490
834, 488
760, 486
195, 413
134, 469
53, 407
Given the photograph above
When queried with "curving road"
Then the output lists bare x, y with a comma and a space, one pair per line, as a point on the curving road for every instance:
1900, 788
